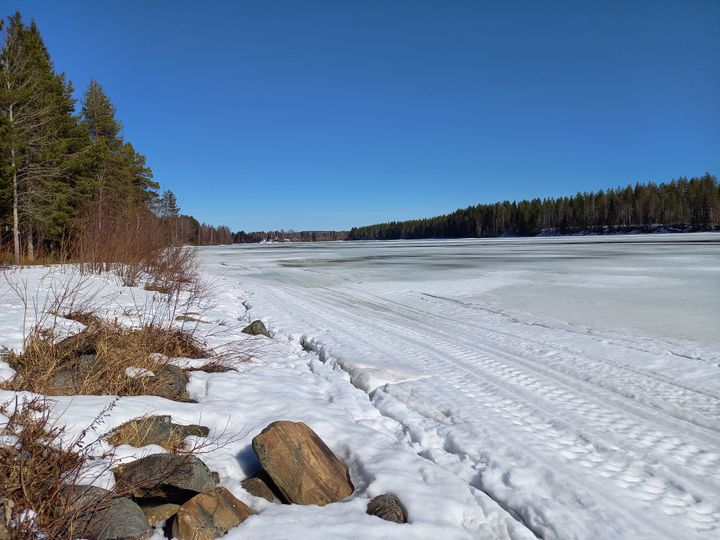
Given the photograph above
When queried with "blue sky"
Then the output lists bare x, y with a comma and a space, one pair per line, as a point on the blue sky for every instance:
332, 113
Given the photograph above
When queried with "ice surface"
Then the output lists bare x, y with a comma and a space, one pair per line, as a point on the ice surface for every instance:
574, 381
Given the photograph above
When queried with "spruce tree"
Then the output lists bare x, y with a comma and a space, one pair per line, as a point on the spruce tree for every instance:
120, 182
39, 137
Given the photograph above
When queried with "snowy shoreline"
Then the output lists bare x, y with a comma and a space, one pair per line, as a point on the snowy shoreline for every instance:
281, 381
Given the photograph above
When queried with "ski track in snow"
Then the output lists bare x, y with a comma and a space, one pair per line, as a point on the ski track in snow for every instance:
577, 434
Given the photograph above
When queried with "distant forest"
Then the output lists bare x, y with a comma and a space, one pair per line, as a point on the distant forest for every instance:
69, 180
683, 204
288, 236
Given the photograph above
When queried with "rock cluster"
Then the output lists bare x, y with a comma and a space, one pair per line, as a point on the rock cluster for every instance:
180, 492
299, 468
172, 488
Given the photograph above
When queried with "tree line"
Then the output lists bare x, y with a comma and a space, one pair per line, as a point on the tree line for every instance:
683, 204
66, 168
242, 237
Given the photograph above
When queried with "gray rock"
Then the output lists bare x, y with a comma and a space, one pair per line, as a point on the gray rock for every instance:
170, 477
387, 507
172, 382
86, 363
256, 328
100, 516
63, 382
69, 379
158, 430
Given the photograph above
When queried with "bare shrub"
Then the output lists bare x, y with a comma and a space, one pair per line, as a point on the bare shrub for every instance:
134, 244
44, 473
63, 290
37, 474
105, 359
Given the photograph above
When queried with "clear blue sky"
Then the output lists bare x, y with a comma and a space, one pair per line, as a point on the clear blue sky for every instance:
331, 113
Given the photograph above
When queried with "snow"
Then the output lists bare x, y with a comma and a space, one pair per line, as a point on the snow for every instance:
513, 388
573, 381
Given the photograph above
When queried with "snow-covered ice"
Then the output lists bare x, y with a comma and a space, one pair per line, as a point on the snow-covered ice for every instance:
561, 388
573, 381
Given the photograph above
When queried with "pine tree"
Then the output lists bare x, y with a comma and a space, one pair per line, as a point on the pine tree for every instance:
39, 137
168, 205
120, 182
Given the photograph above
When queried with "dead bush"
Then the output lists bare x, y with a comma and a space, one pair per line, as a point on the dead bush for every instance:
105, 359
137, 246
44, 474
37, 471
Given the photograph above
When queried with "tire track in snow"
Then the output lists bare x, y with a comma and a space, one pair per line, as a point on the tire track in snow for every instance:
348, 319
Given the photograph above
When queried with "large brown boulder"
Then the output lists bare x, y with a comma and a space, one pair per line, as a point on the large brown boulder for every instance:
172, 478
209, 515
303, 468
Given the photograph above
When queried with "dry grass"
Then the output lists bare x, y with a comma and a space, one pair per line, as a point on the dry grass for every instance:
95, 362
42, 473
136, 433
35, 472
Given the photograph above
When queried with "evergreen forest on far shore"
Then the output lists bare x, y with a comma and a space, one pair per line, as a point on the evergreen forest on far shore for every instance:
680, 205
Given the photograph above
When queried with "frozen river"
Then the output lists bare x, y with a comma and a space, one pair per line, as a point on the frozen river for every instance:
576, 381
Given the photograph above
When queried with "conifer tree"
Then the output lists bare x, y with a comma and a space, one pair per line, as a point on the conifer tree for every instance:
168, 205
39, 137
120, 181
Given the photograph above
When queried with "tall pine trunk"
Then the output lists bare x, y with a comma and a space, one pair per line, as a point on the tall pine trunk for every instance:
30, 245
16, 221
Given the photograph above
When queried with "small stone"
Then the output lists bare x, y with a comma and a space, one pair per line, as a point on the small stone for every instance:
256, 328
86, 363
387, 507
173, 478
63, 382
171, 382
158, 513
261, 485
209, 515
301, 465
